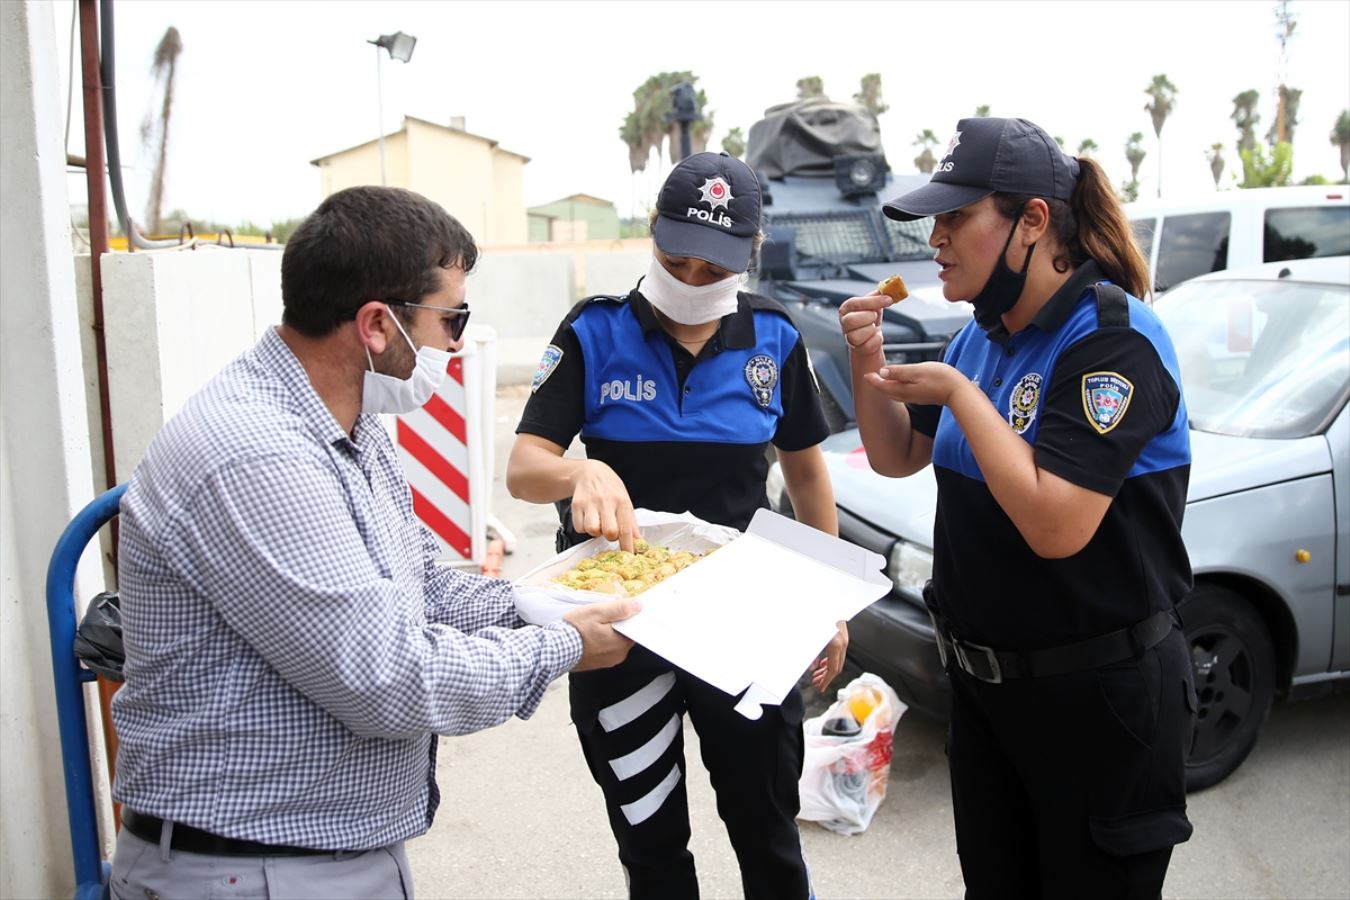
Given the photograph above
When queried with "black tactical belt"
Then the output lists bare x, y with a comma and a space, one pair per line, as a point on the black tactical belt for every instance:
995, 666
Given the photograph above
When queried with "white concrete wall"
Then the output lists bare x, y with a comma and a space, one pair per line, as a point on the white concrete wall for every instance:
617, 272
523, 296
173, 319
44, 445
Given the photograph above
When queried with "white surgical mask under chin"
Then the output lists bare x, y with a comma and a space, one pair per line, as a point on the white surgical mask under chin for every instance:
382, 393
685, 303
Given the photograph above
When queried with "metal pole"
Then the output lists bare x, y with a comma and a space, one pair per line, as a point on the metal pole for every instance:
686, 145
379, 90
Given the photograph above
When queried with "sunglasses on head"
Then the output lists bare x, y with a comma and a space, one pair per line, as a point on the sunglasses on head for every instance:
453, 320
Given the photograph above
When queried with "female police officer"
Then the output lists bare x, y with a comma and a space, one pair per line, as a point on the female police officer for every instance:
676, 389
1057, 431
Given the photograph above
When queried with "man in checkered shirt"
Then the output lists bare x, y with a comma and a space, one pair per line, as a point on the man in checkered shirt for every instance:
292, 649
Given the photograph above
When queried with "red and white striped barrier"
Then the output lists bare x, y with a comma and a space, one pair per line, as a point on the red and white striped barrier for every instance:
445, 451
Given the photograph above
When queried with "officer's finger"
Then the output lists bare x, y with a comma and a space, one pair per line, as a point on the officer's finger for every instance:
873, 302
893, 389
588, 522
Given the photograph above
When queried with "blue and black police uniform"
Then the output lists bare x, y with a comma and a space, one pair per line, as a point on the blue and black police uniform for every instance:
683, 433
1072, 695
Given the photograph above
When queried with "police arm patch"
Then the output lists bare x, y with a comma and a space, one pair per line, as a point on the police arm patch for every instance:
552, 356
1106, 398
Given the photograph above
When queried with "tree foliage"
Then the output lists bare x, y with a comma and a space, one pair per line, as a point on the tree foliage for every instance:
1245, 117
1087, 147
162, 70
870, 94
1216, 161
1162, 100
1135, 153
982, 111
734, 142
926, 161
1340, 138
1262, 170
810, 86
1289, 99
646, 128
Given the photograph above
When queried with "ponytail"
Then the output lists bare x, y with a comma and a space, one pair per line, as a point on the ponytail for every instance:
1104, 233
1092, 225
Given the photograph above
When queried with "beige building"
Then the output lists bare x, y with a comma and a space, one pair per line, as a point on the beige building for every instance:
476, 180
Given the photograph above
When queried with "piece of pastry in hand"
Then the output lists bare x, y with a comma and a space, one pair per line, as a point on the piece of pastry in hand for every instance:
893, 287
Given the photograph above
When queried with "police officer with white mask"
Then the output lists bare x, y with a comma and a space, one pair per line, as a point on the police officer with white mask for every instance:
676, 389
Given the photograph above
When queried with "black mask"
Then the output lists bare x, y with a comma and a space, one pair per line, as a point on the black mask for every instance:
1001, 292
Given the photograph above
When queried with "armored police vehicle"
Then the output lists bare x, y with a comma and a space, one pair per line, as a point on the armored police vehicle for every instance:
825, 175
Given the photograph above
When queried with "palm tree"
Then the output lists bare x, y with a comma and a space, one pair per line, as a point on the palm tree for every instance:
982, 112
734, 142
1215, 157
1087, 147
1134, 155
926, 161
1288, 112
1245, 117
810, 86
162, 69
870, 95
1340, 137
1163, 94
645, 128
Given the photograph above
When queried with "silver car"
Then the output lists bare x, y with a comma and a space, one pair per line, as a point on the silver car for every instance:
1265, 361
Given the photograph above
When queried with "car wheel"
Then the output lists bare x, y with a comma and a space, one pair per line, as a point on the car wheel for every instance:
1233, 660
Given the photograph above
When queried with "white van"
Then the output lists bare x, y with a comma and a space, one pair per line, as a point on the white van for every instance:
1237, 228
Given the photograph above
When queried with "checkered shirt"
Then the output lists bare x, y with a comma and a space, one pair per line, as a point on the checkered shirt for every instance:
291, 646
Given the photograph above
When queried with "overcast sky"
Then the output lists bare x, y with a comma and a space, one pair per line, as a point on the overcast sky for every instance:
264, 86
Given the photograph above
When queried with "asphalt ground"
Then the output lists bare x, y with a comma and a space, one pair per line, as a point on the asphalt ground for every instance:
521, 818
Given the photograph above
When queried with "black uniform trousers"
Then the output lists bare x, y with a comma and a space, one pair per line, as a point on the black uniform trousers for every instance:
630, 721
1073, 785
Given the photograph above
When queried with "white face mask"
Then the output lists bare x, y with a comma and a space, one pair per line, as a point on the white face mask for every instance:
685, 303
382, 393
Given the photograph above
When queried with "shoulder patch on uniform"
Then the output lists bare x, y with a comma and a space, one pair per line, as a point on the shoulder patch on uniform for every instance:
762, 373
1106, 397
552, 356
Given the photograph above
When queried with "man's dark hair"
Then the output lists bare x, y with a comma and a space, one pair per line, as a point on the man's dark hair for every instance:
363, 244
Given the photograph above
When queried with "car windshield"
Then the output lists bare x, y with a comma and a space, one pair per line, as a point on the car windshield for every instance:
1267, 359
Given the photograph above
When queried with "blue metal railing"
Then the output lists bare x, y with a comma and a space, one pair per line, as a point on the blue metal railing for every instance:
69, 676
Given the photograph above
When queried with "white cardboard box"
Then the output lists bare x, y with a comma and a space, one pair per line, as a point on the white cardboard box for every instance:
753, 616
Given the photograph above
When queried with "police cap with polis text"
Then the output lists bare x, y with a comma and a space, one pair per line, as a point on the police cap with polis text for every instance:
709, 208
986, 156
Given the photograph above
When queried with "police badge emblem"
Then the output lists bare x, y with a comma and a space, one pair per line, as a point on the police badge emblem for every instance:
762, 373
1106, 396
1022, 402
552, 356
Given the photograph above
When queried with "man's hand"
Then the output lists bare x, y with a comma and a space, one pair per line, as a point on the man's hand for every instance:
601, 645
601, 506
829, 665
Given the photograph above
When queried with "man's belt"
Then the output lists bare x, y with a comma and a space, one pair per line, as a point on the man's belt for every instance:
995, 666
194, 840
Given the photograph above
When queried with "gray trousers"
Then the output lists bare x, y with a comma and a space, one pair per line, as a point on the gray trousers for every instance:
144, 871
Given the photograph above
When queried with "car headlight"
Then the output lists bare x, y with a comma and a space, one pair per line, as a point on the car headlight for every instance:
910, 567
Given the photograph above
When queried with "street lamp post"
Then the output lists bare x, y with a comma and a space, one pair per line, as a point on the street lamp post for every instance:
400, 47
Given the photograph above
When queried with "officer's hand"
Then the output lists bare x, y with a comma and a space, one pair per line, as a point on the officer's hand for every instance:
931, 383
832, 663
601, 645
860, 320
601, 507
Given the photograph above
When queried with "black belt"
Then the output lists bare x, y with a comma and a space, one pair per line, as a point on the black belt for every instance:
194, 840
995, 666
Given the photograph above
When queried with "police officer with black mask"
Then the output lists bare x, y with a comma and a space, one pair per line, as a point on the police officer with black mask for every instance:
1058, 435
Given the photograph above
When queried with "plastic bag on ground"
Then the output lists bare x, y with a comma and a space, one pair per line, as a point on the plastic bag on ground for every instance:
848, 756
